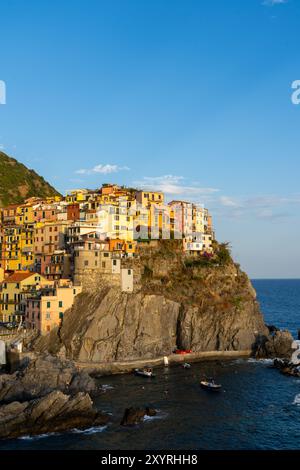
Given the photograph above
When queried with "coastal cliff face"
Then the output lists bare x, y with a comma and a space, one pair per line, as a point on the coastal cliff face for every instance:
177, 303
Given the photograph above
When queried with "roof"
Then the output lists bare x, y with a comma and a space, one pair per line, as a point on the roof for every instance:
19, 276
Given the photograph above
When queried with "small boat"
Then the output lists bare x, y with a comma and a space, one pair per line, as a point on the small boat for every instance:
147, 372
186, 365
210, 385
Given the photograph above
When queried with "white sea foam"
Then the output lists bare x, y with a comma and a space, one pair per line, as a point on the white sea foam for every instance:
159, 415
38, 436
297, 400
88, 431
105, 387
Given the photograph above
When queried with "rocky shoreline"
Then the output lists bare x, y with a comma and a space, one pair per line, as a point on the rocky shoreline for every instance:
211, 310
49, 394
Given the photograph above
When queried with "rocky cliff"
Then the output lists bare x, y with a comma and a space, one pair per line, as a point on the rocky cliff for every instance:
178, 302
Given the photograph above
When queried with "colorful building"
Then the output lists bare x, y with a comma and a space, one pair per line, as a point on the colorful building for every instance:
14, 290
45, 308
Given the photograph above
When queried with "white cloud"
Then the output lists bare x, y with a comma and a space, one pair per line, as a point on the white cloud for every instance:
268, 207
229, 202
272, 3
173, 185
102, 169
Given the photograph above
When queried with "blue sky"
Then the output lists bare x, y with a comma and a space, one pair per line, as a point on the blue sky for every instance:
191, 97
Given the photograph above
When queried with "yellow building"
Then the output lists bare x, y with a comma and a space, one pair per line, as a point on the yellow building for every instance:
77, 195
15, 288
11, 248
24, 214
147, 198
115, 221
45, 308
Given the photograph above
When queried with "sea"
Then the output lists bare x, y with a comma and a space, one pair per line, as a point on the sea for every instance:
258, 408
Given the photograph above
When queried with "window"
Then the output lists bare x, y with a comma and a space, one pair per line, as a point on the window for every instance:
48, 316
86, 263
48, 304
129, 272
115, 262
61, 315
17, 286
60, 304
106, 255
103, 264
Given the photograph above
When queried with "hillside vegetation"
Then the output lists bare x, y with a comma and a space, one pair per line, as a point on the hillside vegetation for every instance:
18, 183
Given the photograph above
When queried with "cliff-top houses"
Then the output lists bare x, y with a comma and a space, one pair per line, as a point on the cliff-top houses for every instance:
49, 247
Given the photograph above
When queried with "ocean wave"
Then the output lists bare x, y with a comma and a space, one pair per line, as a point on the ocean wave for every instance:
105, 387
88, 431
260, 361
297, 400
160, 415
38, 436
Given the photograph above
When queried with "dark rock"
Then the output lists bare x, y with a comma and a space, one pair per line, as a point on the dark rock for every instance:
279, 344
286, 367
82, 381
42, 376
134, 416
272, 328
55, 412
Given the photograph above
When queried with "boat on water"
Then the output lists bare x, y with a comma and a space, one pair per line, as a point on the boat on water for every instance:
210, 385
186, 365
146, 372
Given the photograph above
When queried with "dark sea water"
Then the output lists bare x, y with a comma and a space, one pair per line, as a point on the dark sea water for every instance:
258, 408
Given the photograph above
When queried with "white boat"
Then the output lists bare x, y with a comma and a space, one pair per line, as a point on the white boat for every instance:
210, 385
147, 372
186, 365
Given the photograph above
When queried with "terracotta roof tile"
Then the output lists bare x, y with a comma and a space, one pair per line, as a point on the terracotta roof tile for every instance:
19, 276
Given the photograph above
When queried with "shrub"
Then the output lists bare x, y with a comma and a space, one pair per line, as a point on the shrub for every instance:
223, 255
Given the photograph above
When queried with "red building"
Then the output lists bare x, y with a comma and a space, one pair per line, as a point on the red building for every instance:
73, 212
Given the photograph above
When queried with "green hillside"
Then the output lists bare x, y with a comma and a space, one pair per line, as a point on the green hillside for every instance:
18, 183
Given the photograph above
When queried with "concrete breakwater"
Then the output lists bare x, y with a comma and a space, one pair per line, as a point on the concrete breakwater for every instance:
123, 367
